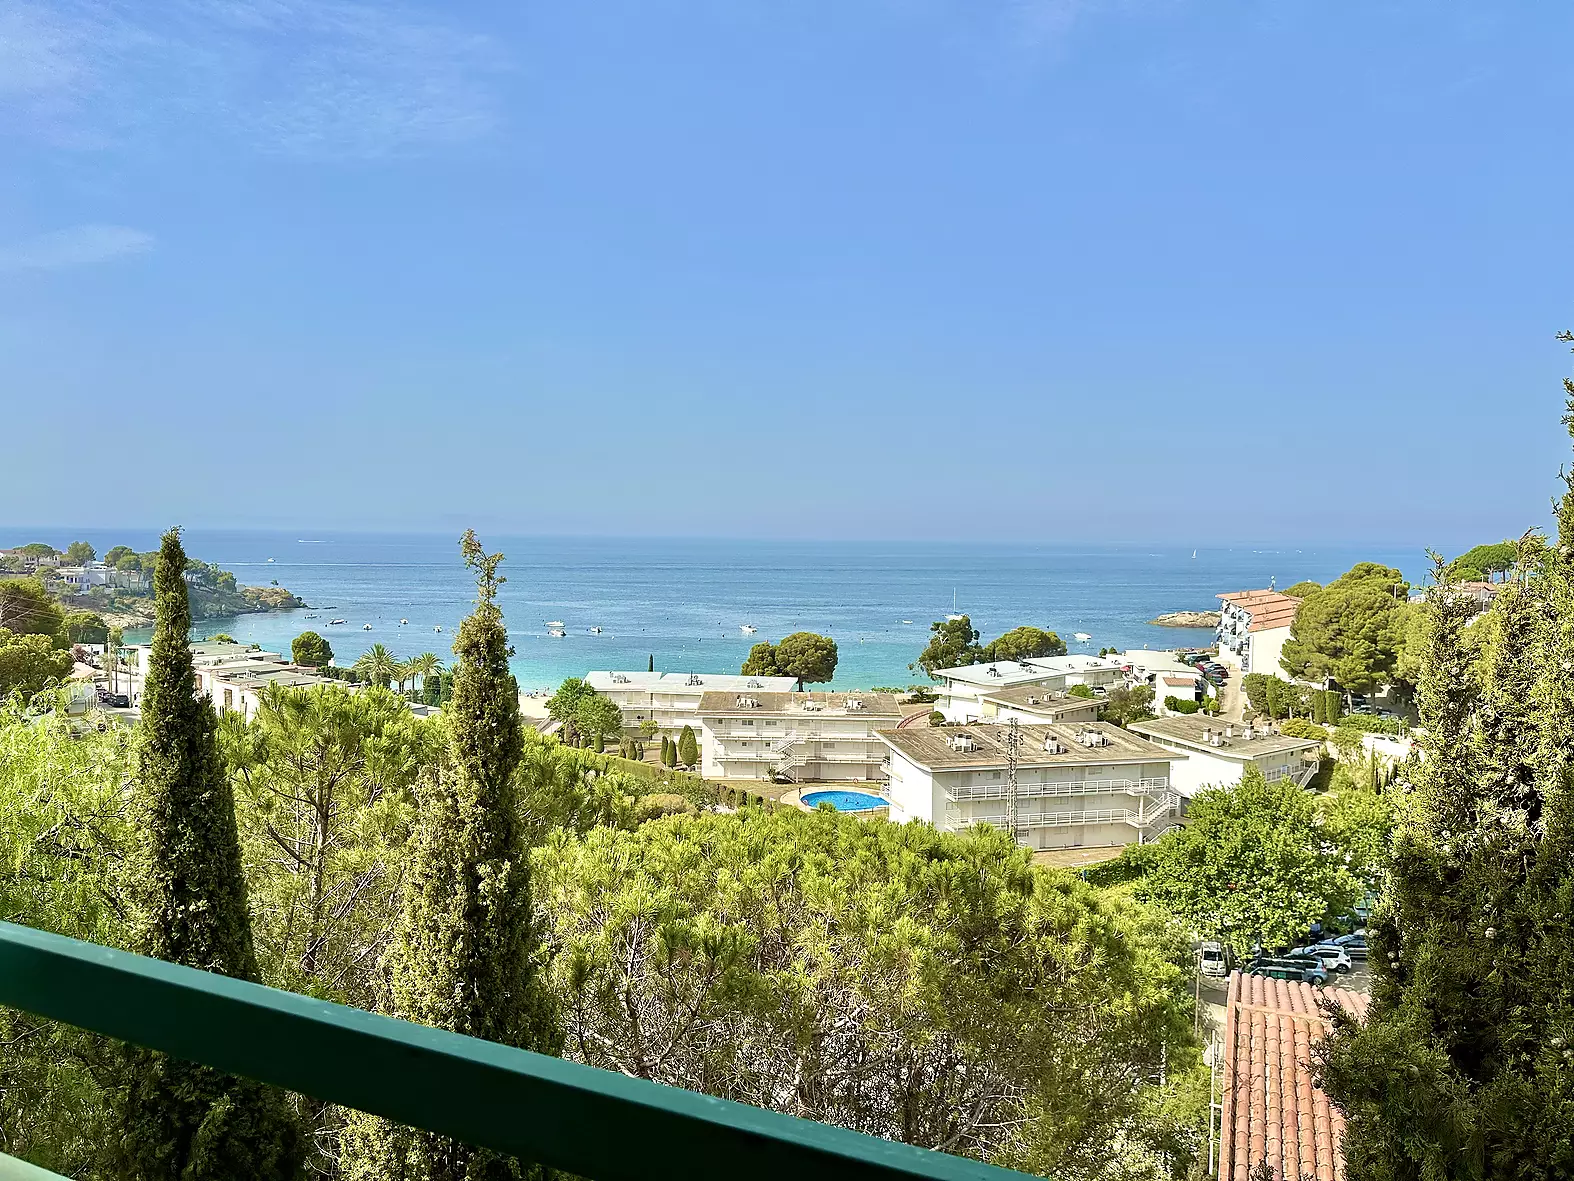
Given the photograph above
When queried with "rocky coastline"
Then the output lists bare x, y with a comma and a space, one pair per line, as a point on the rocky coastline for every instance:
1197, 619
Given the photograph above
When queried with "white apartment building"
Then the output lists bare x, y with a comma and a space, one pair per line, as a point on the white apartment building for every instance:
962, 690
233, 676
673, 699
1253, 627
1165, 674
802, 737
1077, 785
1034, 704
1218, 752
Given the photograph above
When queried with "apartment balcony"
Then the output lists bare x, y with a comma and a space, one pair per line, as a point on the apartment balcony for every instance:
1152, 812
590, 1123
997, 791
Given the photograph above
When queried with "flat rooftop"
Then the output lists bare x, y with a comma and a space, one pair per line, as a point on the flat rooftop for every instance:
1197, 730
732, 704
1036, 697
937, 748
649, 682
1021, 672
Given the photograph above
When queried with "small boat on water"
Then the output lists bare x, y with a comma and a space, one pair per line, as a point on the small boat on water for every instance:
554, 623
954, 618
747, 629
907, 621
310, 615
402, 622
595, 631
366, 627
1081, 637
437, 629
270, 559
558, 632
331, 622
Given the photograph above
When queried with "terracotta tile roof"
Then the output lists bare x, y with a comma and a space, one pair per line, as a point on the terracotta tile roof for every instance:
1271, 1110
1266, 607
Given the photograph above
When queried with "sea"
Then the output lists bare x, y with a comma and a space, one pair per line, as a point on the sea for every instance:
683, 605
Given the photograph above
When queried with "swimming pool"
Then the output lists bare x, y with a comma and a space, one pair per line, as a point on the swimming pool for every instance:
845, 801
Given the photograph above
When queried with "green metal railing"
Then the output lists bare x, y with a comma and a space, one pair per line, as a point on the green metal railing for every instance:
590, 1122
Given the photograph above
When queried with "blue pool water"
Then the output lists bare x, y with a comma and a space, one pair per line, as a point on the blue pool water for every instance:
845, 801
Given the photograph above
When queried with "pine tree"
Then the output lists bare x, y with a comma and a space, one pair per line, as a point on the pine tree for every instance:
1465, 1065
463, 955
182, 1120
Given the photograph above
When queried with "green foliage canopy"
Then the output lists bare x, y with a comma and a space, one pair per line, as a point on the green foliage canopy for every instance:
84, 627
808, 656
953, 643
26, 608
926, 987
1350, 631
1252, 865
1024, 643
311, 650
30, 663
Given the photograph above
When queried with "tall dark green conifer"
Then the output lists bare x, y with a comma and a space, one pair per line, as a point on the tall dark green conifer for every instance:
181, 1120
463, 955
1465, 1065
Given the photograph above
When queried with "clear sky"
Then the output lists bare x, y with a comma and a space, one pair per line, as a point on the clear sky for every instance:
1036, 269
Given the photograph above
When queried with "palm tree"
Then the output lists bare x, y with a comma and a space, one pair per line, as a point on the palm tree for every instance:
377, 665
427, 664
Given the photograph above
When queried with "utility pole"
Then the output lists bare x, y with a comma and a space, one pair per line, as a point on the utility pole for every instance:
1013, 743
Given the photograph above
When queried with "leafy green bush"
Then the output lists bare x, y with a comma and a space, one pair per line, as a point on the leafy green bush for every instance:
1177, 705
1301, 728
1371, 725
1079, 691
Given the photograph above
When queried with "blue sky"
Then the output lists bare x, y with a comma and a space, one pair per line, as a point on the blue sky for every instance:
1036, 269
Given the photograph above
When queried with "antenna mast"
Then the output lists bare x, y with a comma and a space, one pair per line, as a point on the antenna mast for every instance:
1013, 743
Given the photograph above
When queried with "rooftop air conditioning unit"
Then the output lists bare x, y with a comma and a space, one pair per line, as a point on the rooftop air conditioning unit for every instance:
754, 684
992, 671
1032, 700
1247, 735
1052, 746
619, 679
694, 679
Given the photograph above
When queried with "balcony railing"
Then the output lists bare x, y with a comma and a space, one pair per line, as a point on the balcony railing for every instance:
593, 1123
1090, 787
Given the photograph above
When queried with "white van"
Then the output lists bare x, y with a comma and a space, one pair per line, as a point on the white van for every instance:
1211, 960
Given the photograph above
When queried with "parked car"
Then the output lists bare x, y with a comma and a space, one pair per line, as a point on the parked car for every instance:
1353, 945
1307, 969
1211, 961
119, 701
1334, 957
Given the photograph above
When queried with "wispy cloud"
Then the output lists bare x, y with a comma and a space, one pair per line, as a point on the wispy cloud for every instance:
320, 77
72, 247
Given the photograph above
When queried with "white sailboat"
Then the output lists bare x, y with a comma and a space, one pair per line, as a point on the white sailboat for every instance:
747, 629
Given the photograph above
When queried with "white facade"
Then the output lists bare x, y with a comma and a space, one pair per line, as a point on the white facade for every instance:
962, 690
802, 737
231, 675
1035, 705
1219, 752
1253, 626
1077, 785
672, 700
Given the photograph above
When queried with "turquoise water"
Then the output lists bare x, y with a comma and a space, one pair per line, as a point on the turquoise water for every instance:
845, 801
683, 602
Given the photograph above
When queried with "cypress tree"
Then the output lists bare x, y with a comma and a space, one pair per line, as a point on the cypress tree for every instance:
1465, 1067
688, 748
182, 1120
1333, 705
1319, 707
463, 954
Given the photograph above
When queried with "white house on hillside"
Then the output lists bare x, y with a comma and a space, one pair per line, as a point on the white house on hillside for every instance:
962, 690
1253, 627
1219, 752
805, 737
1036, 704
1081, 784
1164, 673
673, 699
